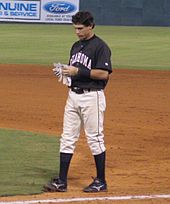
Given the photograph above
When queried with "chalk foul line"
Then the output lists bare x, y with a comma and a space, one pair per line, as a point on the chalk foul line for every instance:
114, 198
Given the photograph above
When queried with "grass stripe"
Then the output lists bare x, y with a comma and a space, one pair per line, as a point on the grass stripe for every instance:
140, 47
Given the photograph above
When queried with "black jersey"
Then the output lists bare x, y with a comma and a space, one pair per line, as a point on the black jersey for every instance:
90, 54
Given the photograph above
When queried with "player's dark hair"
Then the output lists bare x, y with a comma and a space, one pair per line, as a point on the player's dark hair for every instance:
83, 17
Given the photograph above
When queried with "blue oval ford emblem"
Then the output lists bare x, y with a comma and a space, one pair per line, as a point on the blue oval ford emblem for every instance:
59, 7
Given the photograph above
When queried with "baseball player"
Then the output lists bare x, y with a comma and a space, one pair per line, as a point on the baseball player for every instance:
89, 68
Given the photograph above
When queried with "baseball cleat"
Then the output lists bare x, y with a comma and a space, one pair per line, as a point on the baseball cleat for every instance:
96, 186
56, 185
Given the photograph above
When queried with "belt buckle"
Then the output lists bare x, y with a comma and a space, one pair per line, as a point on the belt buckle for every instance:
77, 90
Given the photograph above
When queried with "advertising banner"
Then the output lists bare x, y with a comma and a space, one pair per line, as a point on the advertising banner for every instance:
41, 11
58, 11
19, 10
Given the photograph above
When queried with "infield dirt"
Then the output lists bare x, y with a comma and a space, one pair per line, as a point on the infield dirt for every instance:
137, 128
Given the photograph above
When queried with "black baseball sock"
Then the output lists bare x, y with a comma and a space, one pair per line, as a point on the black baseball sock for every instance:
65, 159
100, 165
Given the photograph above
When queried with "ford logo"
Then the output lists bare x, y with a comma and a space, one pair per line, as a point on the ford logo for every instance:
59, 7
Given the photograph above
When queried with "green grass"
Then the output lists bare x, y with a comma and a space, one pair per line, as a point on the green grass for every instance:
27, 161
139, 47
132, 47
35, 44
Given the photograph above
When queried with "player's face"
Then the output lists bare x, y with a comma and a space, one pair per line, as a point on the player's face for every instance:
83, 32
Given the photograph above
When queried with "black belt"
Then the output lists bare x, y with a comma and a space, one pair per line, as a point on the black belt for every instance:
78, 90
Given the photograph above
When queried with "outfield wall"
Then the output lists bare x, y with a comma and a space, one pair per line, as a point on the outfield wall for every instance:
108, 12
129, 12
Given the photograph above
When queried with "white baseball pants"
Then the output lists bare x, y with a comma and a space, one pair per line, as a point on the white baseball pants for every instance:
85, 110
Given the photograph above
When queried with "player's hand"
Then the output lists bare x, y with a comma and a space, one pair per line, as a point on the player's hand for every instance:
69, 70
57, 71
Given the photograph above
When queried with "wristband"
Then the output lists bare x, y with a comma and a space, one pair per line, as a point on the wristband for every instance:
84, 73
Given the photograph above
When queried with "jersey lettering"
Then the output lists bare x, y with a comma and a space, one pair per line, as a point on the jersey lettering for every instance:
82, 59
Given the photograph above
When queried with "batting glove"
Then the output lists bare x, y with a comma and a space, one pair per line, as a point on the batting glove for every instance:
58, 71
